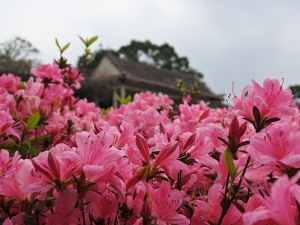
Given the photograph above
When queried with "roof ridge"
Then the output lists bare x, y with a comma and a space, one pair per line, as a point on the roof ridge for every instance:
144, 71
115, 58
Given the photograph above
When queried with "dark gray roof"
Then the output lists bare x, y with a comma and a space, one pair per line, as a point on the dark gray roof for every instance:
162, 77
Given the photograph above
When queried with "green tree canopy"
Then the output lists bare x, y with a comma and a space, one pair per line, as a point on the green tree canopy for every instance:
296, 92
161, 56
16, 57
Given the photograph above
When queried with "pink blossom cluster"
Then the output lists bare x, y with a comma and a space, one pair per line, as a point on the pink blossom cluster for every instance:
146, 162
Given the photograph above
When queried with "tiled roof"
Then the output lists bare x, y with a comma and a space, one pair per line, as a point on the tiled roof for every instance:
162, 77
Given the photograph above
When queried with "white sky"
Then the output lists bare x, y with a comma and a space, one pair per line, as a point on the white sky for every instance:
228, 41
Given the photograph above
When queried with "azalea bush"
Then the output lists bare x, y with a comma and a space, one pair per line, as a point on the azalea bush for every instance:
147, 162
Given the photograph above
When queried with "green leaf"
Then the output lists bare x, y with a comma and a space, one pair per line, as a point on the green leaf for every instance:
57, 44
87, 52
61, 49
9, 145
104, 111
33, 151
39, 139
22, 85
83, 41
33, 120
228, 157
91, 40
123, 101
65, 47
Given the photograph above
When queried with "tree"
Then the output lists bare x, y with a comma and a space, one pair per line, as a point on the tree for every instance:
16, 57
296, 92
161, 56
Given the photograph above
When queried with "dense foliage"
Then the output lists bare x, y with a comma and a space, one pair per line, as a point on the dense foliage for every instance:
16, 56
147, 162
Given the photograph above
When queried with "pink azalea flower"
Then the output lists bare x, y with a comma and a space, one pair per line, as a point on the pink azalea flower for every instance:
64, 211
186, 99
49, 72
100, 174
32, 88
144, 162
102, 205
271, 100
95, 149
7, 125
164, 203
85, 108
72, 77
209, 211
5, 162
8, 222
10, 82
58, 164
191, 115
279, 208
127, 135
56, 95
278, 144
166, 159
7, 101
16, 182
154, 100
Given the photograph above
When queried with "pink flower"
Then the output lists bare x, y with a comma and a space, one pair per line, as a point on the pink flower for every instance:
7, 101
102, 205
279, 208
7, 125
100, 174
154, 100
10, 82
64, 211
56, 95
164, 203
191, 115
58, 164
72, 77
186, 99
278, 144
84, 108
95, 149
5, 162
271, 100
126, 137
209, 211
8, 222
48, 73
144, 162
166, 159
16, 182
32, 88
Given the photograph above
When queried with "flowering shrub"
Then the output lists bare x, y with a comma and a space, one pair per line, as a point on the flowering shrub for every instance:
63, 162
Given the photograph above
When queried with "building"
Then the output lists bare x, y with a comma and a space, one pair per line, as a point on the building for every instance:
119, 76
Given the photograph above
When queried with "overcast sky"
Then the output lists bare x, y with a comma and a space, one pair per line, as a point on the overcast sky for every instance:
228, 41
